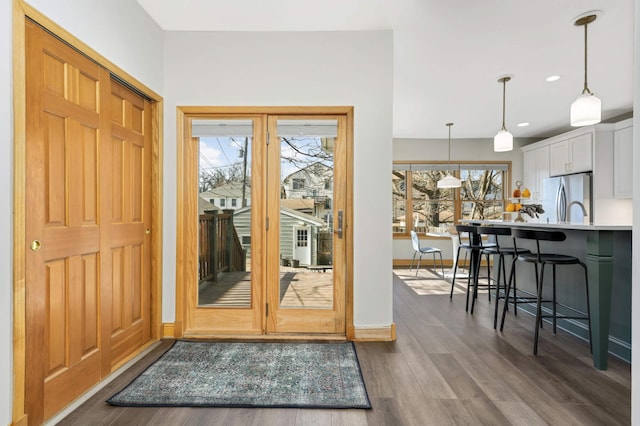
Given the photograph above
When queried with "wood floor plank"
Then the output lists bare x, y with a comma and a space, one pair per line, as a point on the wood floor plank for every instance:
311, 417
587, 414
349, 417
608, 396
191, 416
432, 383
457, 377
447, 367
520, 413
456, 411
276, 417
487, 376
385, 411
485, 412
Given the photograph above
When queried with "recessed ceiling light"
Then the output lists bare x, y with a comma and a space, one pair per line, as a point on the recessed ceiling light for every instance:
525, 124
553, 78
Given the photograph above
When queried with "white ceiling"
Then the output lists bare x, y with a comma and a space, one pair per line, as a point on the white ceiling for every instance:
449, 54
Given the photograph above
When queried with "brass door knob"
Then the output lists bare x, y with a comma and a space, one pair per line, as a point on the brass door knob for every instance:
35, 245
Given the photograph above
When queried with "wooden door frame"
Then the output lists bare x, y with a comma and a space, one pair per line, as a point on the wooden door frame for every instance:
186, 232
21, 12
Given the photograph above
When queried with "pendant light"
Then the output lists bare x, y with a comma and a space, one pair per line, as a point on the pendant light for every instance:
587, 108
449, 181
503, 141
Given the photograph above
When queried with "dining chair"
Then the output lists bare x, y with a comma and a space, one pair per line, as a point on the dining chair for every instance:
418, 249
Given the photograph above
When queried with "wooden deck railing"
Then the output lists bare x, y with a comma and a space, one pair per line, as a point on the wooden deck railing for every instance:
220, 249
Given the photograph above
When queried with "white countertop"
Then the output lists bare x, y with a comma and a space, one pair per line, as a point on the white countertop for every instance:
576, 226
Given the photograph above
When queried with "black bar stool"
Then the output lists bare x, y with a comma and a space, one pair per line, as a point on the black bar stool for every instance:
501, 251
474, 247
543, 259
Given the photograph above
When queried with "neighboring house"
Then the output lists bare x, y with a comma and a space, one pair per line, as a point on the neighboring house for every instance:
228, 196
314, 182
303, 205
298, 234
205, 206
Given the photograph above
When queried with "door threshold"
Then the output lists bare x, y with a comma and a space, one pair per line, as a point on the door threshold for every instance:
270, 337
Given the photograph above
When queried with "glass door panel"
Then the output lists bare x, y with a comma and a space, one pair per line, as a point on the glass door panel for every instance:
306, 276
224, 212
306, 215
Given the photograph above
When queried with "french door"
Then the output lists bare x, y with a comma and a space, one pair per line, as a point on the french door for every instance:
305, 292
270, 230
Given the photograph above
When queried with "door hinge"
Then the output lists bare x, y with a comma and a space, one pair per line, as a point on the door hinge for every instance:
267, 310
267, 138
267, 223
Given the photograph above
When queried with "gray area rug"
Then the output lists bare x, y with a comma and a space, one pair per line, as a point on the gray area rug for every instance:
205, 374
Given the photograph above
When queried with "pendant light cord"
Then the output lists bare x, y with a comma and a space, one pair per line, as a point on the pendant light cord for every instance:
449, 126
504, 80
586, 87
504, 101
585, 21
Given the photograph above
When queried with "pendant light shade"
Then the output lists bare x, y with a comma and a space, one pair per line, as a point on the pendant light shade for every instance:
503, 140
587, 108
449, 181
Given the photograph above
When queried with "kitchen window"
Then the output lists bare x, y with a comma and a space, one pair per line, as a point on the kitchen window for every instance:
419, 205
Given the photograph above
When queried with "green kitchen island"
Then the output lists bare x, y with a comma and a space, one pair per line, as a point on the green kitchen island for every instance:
606, 250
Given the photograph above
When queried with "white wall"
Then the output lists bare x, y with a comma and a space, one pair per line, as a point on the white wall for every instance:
6, 248
119, 30
635, 245
305, 69
461, 150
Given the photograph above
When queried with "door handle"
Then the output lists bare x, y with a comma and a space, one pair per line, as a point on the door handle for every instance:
35, 245
340, 222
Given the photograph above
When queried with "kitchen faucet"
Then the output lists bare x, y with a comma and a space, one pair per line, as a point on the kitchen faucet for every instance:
584, 210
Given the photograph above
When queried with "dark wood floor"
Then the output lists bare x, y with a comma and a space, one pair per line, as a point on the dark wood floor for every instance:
446, 368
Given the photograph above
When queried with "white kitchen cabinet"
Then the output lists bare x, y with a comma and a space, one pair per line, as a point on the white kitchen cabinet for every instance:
623, 160
572, 155
592, 149
536, 169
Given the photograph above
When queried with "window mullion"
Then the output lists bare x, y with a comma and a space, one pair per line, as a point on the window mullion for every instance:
408, 219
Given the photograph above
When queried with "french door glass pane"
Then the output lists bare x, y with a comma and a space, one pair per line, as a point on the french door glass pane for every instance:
306, 212
224, 212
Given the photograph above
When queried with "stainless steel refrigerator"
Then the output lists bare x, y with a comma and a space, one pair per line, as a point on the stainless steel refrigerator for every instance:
568, 199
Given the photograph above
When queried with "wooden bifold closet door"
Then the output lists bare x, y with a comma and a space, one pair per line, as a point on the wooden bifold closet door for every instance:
87, 223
